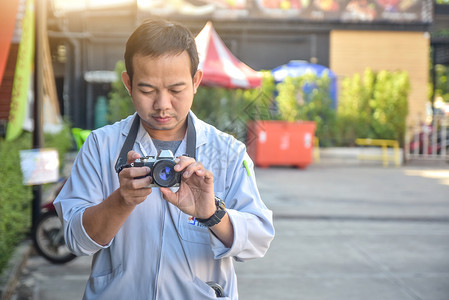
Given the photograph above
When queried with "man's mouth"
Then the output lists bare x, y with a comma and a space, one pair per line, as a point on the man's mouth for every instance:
162, 119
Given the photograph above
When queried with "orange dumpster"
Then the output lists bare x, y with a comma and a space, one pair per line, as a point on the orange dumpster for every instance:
280, 143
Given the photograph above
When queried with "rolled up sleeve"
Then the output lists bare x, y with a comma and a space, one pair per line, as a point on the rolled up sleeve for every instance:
77, 239
251, 219
252, 236
82, 190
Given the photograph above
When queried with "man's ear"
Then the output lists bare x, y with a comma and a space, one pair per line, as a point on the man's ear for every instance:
197, 80
127, 81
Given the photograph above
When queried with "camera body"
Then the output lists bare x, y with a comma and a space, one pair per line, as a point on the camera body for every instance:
161, 169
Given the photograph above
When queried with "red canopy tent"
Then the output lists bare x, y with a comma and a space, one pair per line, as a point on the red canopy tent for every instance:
8, 15
220, 67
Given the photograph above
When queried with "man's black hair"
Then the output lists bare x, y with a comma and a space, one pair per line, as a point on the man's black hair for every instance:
156, 37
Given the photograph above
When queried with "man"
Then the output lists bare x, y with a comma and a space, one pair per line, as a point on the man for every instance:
160, 242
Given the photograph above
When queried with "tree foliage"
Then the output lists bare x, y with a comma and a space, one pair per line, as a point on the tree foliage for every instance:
308, 98
230, 109
120, 104
374, 105
442, 82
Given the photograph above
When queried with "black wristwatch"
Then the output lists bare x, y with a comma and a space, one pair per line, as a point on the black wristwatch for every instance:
217, 216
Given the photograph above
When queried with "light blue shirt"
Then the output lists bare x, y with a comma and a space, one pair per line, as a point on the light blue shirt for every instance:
160, 252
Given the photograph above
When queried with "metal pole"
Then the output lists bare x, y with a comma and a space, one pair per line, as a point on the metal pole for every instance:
434, 79
38, 138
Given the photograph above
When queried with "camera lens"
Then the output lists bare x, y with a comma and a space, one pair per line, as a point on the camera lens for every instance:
163, 173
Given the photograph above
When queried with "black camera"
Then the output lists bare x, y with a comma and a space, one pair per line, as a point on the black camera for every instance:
161, 169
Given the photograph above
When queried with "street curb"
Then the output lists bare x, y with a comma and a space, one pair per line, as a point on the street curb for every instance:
361, 218
352, 156
9, 277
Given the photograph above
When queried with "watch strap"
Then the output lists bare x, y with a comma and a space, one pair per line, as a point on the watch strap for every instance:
217, 216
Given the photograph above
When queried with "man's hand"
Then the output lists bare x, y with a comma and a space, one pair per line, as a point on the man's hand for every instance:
134, 191
104, 220
195, 196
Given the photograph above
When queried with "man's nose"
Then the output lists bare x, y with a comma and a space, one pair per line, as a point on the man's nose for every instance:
162, 101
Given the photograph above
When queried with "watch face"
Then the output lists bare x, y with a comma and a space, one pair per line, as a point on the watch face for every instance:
219, 203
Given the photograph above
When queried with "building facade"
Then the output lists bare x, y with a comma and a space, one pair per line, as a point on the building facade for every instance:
346, 35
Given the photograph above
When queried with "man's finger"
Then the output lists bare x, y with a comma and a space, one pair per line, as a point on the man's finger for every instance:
134, 172
208, 176
132, 156
183, 162
139, 171
196, 168
141, 183
169, 196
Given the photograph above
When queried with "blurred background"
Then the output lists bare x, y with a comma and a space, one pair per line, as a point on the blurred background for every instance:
301, 82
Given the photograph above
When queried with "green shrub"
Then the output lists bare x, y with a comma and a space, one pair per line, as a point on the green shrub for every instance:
215, 105
223, 108
308, 98
370, 106
230, 109
390, 105
259, 102
441, 82
354, 112
120, 104
226, 109
16, 198
289, 98
373, 106
61, 141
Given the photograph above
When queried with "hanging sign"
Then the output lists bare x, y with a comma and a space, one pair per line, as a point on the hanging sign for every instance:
39, 166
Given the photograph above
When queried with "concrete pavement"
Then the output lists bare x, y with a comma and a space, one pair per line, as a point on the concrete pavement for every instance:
342, 232
354, 232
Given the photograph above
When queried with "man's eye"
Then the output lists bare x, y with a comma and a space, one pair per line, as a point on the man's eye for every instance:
176, 91
147, 92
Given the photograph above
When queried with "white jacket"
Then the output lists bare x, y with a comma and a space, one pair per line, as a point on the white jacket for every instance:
160, 252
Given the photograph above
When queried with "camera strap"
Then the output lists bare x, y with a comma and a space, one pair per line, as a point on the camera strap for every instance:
191, 138
122, 160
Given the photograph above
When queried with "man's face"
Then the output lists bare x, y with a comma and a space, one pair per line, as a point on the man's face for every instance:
162, 91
